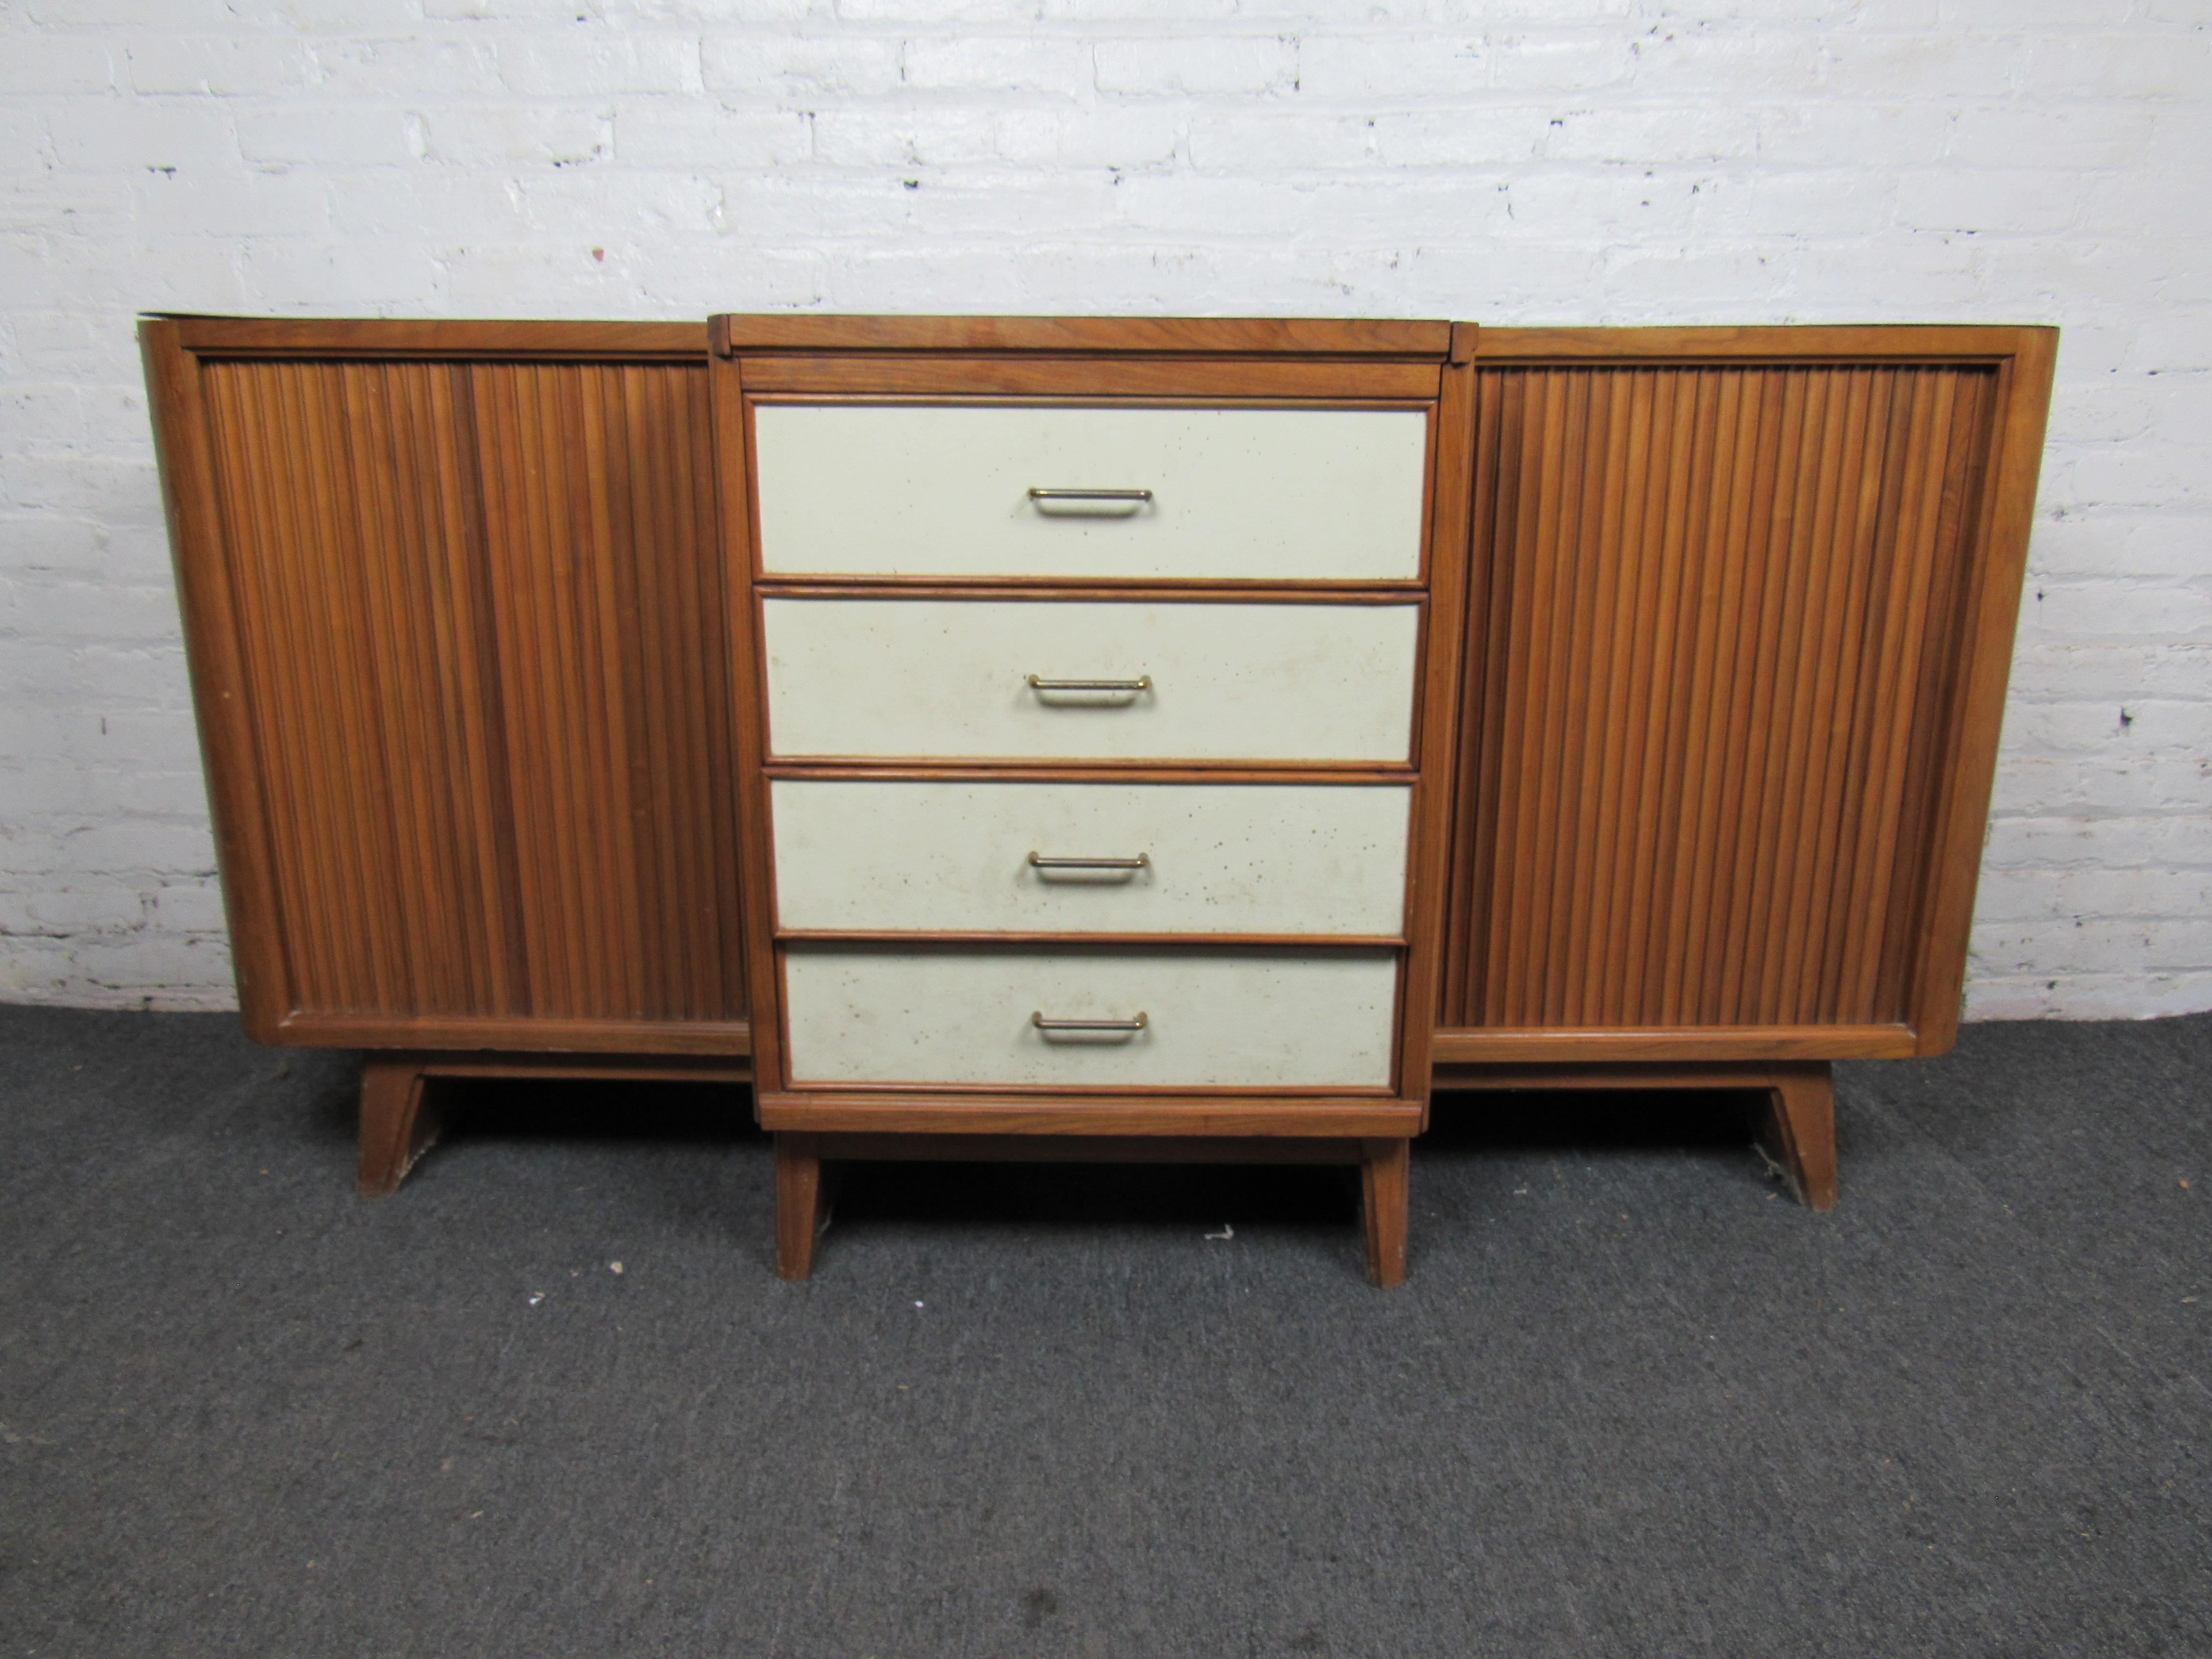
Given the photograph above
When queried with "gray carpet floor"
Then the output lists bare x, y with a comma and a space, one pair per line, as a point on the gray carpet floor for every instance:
1631, 1401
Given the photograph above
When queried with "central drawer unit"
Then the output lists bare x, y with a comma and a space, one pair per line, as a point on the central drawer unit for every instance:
1089, 700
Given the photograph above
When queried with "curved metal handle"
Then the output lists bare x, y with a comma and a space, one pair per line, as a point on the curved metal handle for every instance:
1039, 861
1039, 683
1124, 1027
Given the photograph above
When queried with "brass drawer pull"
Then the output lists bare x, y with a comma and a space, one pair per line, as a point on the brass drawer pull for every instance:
1142, 682
1091, 503
1091, 1027
1142, 861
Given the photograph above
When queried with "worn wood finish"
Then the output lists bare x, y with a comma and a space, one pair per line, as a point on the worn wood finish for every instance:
397, 1127
458, 629
1730, 640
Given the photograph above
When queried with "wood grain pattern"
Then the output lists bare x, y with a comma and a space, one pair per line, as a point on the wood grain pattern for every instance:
1712, 696
479, 622
738, 332
444, 340
1172, 380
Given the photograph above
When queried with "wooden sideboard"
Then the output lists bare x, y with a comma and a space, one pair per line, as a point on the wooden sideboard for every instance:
520, 652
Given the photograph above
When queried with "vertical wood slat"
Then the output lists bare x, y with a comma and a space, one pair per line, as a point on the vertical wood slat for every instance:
1701, 724
484, 650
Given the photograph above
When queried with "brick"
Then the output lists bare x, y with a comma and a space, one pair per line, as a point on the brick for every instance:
79, 910
1892, 67
180, 849
88, 610
2067, 995
997, 64
193, 908
668, 133
2153, 472
225, 66
2136, 726
1168, 66
2119, 608
297, 275
2118, 670
1398, 67
781, 66
49, 65
1256, 141
323, 135
2108, 843
2119, 544
577, 62
2004, 202
1487, 134
1644, 135
142, 736
2138, 63
2098, 943
2066, 137
413, 69
497, 135
141, 133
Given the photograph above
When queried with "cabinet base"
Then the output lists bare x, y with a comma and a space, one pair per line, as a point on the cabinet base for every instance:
800, 1183
1797, 1129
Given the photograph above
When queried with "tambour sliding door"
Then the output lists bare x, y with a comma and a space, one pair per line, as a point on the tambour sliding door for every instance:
458, 641
1743, 601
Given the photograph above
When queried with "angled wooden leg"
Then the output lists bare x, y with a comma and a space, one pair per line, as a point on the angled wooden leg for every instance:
396, 1125
1799, 1130
1383, 1168
798, 1203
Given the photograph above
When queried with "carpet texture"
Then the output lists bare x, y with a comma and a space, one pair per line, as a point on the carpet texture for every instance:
1629, 1402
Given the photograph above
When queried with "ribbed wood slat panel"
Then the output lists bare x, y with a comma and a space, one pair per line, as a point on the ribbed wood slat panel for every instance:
485, 653
1714, 618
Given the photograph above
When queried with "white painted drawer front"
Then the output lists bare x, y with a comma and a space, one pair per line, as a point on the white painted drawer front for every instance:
946, 678
1214, 1019
943, 857
1277, 495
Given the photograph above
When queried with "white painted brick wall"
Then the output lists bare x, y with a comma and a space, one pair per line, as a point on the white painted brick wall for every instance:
1508, 161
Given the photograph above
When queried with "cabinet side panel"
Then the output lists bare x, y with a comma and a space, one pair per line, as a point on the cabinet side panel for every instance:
1707, 692
597, 501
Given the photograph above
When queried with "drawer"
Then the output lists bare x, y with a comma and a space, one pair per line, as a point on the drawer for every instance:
953, 1016
950, 678
1276, 494
944, 857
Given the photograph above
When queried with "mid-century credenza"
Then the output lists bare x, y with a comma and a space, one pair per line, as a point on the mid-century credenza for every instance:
1099, 737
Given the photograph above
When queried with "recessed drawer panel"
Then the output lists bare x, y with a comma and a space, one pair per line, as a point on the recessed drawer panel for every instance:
1090, 680
985, 1016
1090, 858
1222, 493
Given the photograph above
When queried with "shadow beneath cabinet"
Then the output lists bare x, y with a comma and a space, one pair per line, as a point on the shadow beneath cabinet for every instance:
521, 1109
1589, 1120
